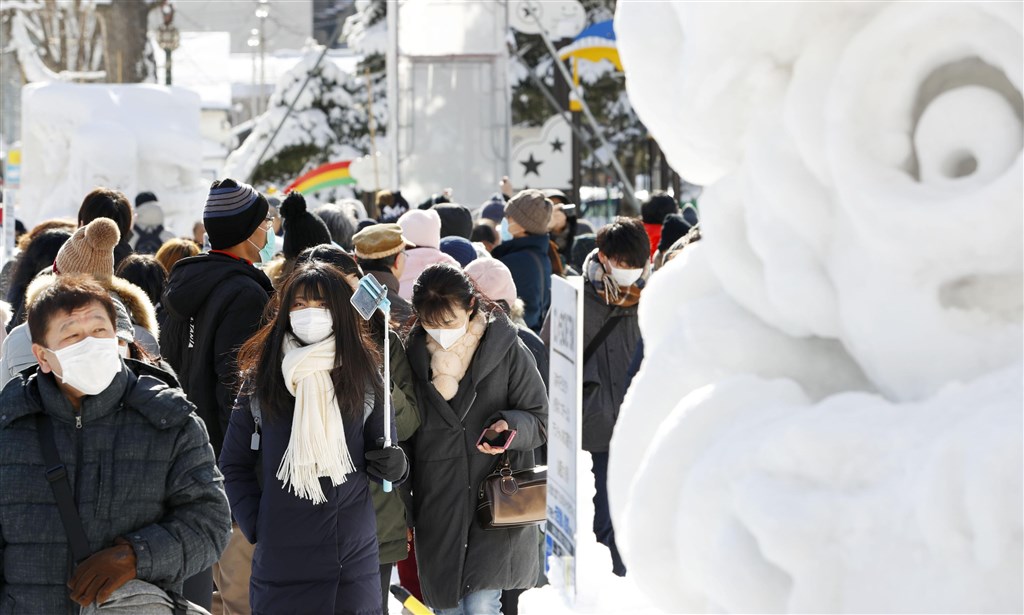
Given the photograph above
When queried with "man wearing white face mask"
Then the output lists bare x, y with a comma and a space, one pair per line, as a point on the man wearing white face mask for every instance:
132, 458
616, 273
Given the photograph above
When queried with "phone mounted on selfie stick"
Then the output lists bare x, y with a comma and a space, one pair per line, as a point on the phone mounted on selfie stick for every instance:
369, 297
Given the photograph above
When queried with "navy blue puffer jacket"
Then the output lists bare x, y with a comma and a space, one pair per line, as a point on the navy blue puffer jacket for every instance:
309, 558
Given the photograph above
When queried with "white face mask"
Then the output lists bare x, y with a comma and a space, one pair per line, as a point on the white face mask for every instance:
626, 277
446, 337
311, 325
89, 365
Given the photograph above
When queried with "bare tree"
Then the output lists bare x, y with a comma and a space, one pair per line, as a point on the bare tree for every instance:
124, 32
78, 40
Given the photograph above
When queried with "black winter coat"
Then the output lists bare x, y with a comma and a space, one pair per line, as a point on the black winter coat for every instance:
309, 558
214, 304
605, 374
140, 467
454, 555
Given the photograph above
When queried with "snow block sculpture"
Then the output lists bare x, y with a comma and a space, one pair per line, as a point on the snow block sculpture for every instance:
76, 137
829, 414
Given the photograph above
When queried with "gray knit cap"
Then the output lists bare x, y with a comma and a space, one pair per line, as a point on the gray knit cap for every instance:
531, 210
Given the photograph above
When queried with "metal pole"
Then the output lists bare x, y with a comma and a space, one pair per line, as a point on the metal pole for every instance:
263, 61
372, 123
254, 103
578, 131
632, 208
391, 68
577, 160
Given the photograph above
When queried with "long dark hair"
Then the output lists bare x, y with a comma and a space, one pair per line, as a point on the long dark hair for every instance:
357, 359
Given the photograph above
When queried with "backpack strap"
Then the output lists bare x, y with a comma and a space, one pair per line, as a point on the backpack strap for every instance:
606, 330
57, 476
257, 419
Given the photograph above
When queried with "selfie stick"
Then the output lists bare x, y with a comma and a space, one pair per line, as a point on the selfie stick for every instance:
369, 297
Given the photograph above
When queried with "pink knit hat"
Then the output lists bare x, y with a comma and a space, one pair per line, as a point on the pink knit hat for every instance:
422, 227
493, 279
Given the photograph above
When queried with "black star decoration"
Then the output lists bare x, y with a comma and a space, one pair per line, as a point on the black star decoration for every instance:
557, 145
531, 165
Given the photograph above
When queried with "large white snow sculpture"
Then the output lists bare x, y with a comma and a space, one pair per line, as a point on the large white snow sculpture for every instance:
76, 137
829, 413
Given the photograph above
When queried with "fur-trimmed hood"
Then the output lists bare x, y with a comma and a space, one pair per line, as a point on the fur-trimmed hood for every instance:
140, 308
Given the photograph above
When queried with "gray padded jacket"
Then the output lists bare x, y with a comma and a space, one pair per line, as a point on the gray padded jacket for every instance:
140, 464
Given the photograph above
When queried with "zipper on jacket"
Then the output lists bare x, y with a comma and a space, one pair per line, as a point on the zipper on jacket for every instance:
78, 421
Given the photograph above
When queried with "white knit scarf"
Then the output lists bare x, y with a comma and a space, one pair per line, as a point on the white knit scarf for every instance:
317, 446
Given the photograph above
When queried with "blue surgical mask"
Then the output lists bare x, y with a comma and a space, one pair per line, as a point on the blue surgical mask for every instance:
506, 235
267, 251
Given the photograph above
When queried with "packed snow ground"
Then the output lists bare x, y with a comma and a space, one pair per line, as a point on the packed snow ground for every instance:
600, 591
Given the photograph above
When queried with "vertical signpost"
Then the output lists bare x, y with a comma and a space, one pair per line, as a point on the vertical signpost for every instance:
12, 181
564, 424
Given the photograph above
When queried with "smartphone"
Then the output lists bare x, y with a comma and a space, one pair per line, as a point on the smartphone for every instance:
495, 439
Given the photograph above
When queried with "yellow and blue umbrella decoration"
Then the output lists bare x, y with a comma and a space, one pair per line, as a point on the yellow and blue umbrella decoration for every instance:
594, 44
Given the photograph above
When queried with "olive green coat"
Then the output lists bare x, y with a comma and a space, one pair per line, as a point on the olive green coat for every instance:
392, 518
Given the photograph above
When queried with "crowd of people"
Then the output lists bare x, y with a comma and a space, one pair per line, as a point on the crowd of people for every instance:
206, 417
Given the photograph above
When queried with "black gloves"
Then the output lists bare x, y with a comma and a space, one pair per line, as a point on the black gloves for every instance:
388, 463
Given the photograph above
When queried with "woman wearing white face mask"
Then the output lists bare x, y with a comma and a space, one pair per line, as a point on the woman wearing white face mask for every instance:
312, 372
471, 372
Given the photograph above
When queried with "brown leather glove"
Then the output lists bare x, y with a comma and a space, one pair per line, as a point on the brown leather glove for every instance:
102, 573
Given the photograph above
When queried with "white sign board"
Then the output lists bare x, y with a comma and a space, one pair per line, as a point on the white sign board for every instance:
564, 423
559, 19
545, 159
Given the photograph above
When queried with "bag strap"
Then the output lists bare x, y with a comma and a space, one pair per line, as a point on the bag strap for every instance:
606, 330
179, 605
57, 476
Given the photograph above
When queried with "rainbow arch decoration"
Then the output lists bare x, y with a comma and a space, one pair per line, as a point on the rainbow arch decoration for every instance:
326, 176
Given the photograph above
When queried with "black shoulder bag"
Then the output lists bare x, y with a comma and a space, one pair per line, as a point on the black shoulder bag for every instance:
57, 476
606, 330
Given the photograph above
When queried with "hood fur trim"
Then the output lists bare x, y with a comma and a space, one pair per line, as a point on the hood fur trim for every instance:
140, 308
